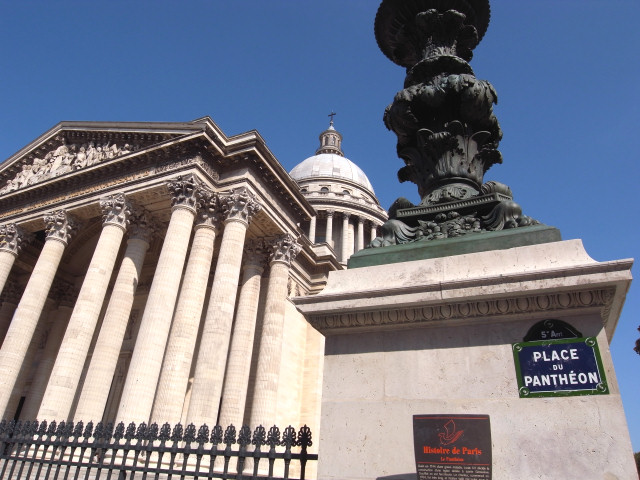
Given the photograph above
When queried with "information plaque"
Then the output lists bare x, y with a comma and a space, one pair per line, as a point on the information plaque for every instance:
554, 368
452, 447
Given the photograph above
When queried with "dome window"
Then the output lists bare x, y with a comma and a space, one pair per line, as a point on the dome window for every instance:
324, 189
346, 192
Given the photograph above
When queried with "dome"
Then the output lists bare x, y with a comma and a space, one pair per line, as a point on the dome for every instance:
330, 165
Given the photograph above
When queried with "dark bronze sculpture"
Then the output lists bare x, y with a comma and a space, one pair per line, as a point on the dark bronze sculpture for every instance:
447, 133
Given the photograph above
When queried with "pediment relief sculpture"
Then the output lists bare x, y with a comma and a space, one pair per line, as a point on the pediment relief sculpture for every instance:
65, 159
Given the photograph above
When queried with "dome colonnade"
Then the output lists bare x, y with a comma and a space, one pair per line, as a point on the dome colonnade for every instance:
347, 210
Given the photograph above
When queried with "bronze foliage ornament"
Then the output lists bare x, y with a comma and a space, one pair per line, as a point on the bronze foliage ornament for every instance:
443, 118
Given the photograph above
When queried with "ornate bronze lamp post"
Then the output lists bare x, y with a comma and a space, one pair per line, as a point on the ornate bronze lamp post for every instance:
447, 133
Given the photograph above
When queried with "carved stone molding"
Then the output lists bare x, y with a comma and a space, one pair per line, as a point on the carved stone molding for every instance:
240, 204
184, 192
141, 225
477, 309
12, 237
59, 225
209, 209
284, 249
63, 159
116, 210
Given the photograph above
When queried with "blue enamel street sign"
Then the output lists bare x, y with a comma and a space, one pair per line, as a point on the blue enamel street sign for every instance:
552, 368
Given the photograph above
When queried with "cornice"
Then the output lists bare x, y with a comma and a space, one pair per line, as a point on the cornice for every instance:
599, 300
596, 288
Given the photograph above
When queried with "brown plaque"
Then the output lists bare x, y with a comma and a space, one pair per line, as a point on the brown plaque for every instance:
452, 447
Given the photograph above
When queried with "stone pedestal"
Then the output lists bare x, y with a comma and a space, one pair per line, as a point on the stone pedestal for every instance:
436, 335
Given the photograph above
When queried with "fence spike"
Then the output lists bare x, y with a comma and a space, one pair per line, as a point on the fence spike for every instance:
99, 432
88, 431
119, 432
216, 435
165, 432
273, 437
230, 435
152, 432
190, 433
244, 436
77, 431
304, 437
176, 436
203, 434
289, 437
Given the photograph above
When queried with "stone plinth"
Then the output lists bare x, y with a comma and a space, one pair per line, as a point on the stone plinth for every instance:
435, 336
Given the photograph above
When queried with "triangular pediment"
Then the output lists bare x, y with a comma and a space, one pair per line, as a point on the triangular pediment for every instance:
74, 146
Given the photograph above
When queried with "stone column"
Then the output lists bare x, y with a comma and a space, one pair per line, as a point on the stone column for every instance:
106, 352
360, 243
11, 239
25, 319
27, 370
345, 237
263, 408
312, 229
66, 373
329, 230
236, 380
374, 232
144, 370
10, 298
178, 357
66, 295
239, 208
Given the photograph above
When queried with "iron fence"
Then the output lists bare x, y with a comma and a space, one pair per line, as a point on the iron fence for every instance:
63, 451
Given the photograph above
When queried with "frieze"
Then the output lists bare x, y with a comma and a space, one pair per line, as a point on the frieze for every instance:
80, 192
65, 159
176, 165
469, 310
114, 181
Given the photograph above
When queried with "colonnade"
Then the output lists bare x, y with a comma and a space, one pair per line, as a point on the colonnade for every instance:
348, 244
165, 346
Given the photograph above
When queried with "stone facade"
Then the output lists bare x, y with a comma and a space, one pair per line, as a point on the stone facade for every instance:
146, 224
436, 336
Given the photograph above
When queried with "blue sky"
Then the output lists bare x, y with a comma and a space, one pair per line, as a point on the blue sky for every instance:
565, 72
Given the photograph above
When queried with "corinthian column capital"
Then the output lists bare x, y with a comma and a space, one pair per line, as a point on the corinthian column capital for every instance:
240, 205
59, 225
184, 191
209, 209
284, 249
12, 237
116, 210
142, 226
255, 254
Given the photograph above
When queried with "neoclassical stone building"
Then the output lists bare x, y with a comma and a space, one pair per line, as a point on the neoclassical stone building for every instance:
146, 268
348, 212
